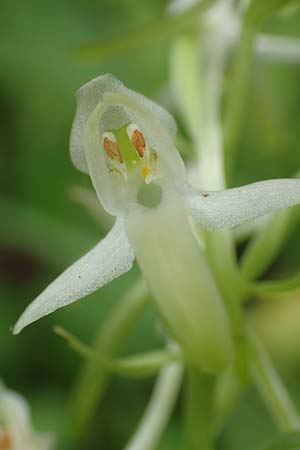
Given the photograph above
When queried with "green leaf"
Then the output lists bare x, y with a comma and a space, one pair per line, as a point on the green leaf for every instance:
271, 387
259, 10
290, 441
163, 28
88, 199
268, 242
27, 227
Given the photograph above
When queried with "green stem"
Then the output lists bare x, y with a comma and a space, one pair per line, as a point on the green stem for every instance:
197, 77
136, 366
164, 28
227, 392
186, 82
93, 378
211, 170
272, 388
35, 238
219, 250
258, 11
224, 269
199, 412
267, 289
237, 95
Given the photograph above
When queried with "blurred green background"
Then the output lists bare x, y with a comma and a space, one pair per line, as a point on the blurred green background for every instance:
42, 230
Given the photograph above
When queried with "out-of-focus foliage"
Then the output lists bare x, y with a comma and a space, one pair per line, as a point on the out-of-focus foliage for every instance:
288, 442
42, 230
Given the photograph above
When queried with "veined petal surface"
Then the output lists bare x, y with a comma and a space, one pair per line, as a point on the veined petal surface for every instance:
109, 259
225, 209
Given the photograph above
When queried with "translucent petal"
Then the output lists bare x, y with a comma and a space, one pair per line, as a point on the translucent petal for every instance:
106, 104
89, 96
224, 209
109, 259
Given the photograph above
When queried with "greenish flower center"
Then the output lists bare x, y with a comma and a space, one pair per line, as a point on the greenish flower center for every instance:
127, 154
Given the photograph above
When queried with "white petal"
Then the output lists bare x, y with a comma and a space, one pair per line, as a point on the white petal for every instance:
109, 259
89, 96
224, 209
106, 104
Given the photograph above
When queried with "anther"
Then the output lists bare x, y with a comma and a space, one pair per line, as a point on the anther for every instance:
137, 139
111, 148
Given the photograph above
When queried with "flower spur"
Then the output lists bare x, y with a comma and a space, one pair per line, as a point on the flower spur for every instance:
125, 143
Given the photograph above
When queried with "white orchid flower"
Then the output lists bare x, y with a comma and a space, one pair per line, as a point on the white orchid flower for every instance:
125, 143
16, 431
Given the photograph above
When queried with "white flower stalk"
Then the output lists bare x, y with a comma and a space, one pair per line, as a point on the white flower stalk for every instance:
224, 19
159, 409
16, 431
125, 142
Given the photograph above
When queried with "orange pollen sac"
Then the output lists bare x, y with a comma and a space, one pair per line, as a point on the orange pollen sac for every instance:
5, 441
112, 150
138, 141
